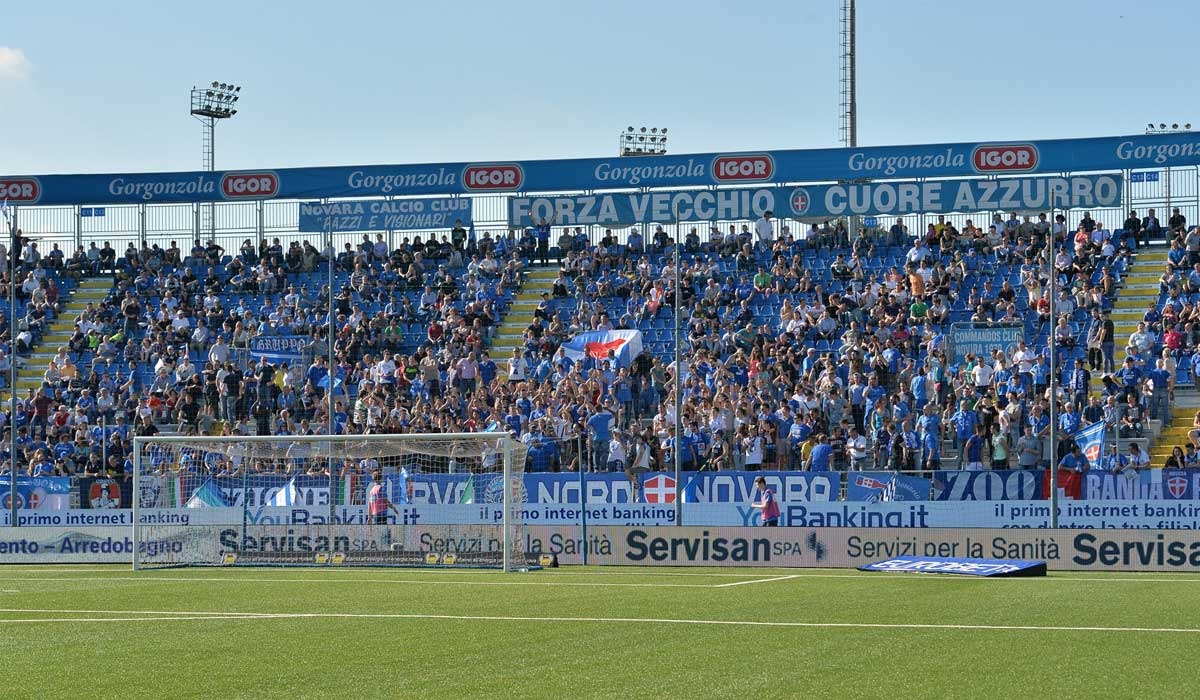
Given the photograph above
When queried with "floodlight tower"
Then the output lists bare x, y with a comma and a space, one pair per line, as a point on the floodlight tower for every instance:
640, 143
849, 125
1164, 128
210, 105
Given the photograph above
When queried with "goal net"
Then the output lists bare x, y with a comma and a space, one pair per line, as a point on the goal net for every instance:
350, 500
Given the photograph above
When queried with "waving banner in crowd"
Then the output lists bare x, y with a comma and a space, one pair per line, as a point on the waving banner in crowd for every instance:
625, 345
37, 492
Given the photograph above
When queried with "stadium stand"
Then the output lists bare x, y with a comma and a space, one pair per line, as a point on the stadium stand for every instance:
795, 343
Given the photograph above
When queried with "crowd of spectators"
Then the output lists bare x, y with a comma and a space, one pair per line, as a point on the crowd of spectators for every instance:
818, 349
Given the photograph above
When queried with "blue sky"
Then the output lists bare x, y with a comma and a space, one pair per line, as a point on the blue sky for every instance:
103, 87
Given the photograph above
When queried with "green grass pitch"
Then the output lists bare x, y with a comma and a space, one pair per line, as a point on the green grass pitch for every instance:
108, 632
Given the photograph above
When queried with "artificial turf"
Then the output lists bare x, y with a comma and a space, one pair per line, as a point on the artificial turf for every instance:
100, 632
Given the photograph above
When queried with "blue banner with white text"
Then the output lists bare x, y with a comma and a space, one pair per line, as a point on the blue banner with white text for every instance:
1146, 485
1018, 158
819, 201
37, 492
968, 339
278, 347
987, 485
878, 487
385, 215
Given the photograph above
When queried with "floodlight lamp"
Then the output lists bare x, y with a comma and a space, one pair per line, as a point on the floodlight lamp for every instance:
1162, 126
1175, 126
664, 129
1149, 126
1187, 126
215, 83
643, 129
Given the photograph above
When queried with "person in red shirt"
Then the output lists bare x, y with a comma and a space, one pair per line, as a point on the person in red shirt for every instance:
1173, 339
378, 503
770, 508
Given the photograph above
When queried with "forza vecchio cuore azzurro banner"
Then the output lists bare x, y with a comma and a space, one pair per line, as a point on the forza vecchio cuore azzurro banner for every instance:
1008, 158
820, 201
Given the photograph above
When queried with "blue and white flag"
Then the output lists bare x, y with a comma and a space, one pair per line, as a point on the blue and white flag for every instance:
288, 495
1091, 441
625, 346
207, 496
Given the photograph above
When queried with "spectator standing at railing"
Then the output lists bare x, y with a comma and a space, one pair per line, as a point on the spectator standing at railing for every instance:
1158, 384
1177, 223
1151, 226
542, 232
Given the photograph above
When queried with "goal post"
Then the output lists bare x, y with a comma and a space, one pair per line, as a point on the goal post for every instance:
446, 500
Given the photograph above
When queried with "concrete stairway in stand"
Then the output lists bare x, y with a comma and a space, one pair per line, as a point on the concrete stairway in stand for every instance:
58, 333
1140, 290
520, 314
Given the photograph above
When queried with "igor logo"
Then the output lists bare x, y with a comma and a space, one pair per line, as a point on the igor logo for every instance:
758, 166
256, 185
1177, 486
800, 201
508, 176
1010, 158
21, 189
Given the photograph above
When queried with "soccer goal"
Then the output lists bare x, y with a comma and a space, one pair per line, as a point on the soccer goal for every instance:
449, 500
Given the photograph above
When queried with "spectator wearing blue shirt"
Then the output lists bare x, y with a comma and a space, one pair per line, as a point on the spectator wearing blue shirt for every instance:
1130, 377
542, 232
964, 421
1039, 374
599, 426
1160, 401
974, 450
1080, 382
920, 391
1075, 460
487, 369
819, 458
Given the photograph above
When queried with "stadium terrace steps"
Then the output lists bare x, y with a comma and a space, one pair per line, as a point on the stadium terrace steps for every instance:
1139, 291
58, 333
1182, 415
520, 314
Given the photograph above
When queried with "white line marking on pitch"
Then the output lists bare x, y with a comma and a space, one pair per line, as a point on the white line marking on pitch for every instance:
426, 582
63, 611
757, 580
132, 619
643, 572
628, 620
151, 577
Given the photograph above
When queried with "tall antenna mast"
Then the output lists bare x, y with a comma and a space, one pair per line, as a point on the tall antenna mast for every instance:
849, 125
